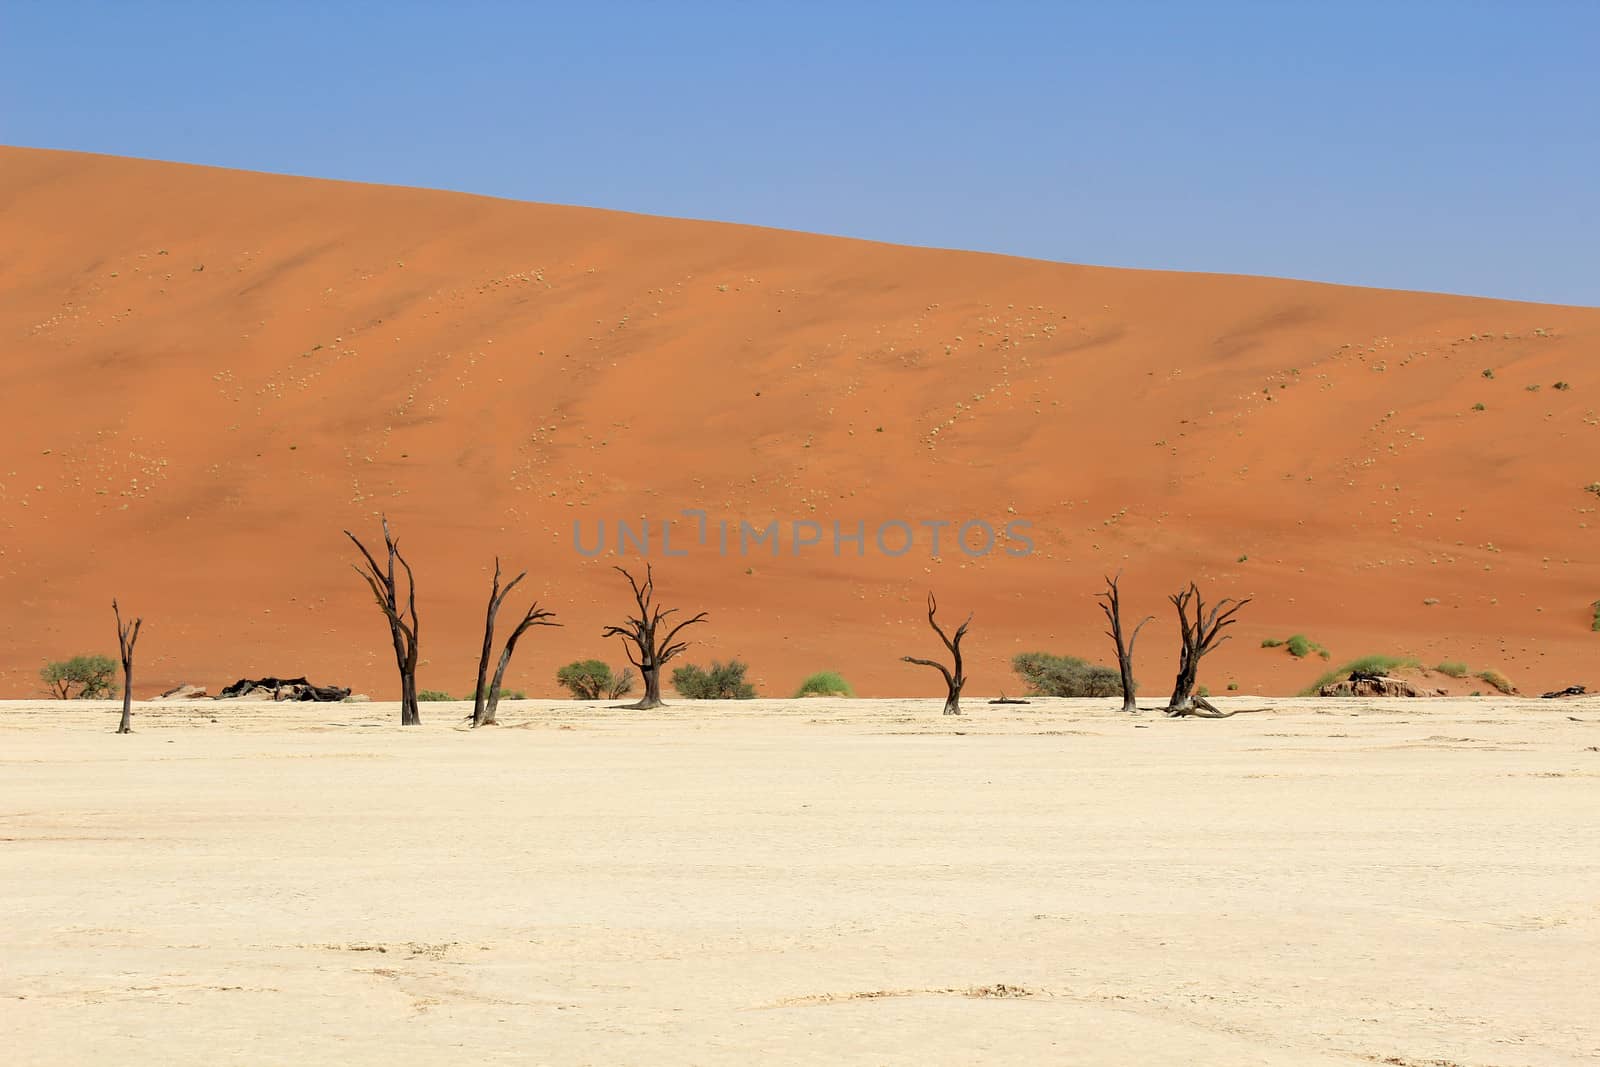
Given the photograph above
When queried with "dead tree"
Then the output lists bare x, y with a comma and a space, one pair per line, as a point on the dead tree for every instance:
127, 635
956, 679
381, 580
1111, 604
488, 699
1199, 637
641, 634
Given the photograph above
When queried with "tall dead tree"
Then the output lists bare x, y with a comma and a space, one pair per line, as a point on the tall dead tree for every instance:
488, 699
1111, 604
641, 634
1199, 637
955, 679
127, 635
381, 580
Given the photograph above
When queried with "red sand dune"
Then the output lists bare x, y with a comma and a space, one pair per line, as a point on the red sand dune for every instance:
486, 372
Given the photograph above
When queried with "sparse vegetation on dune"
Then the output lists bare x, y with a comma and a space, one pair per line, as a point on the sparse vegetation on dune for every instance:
1376, 664
1050, 675
1497, 680
723, 681
1453, 669
593, 679
824, 684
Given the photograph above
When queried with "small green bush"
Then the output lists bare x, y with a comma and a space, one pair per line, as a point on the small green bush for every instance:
1049, 675
433, 695
824, 684
1271, 642
724, 681
1562, 386
1479, 407
1452, 668
89, 675
1299, 645
1596, 625
592, 679
1498, 680
1488, 372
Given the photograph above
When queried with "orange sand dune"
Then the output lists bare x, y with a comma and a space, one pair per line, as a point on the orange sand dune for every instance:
208, 374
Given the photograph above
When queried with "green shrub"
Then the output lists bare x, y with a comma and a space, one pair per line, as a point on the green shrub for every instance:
1452, 668
1562, 386
1271, 642
90, 675
1488, 372
1299, 645
1479, 407
1498, 680
433, 695
724, 681
1049, 675
1596, 625
824, 684
591, 679
1366, 665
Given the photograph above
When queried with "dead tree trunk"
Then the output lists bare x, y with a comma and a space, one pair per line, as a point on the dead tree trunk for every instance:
1111, 604
127, 635
381, 580
955, 679
1199, 637
641, 635
488, 699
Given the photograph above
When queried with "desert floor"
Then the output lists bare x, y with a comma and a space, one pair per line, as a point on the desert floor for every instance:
819, 882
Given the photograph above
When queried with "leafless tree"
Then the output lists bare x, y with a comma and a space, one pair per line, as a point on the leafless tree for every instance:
488, 699
956, 679
1199, 637
646, 647
127, 635
381, 580
1111, 604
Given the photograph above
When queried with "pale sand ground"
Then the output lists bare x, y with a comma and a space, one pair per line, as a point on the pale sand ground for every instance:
792, 882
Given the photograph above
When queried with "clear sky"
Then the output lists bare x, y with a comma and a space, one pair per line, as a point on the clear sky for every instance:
1451, 145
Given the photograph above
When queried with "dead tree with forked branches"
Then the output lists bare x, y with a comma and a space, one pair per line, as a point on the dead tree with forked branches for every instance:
1200, 636
647, 648
955, 679
127, 634
381, 580
1111, 604
488, 699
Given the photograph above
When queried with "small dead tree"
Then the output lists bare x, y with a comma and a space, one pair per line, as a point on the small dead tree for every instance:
641, 634
1111, 604
127, 635
381, 580
953, 680
1199, 637
488, 699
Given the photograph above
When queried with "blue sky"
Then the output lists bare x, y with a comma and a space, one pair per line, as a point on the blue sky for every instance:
1451, 146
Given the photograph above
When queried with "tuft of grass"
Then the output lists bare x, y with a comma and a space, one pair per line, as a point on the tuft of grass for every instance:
1299, 645
824, 684
433, 694
1368, 664
1452, 668
1479, 407
1596, 626
1498, 680
1243, 557
1488, 372
1271, 642
1534, 388
1233, 687
1561, 386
